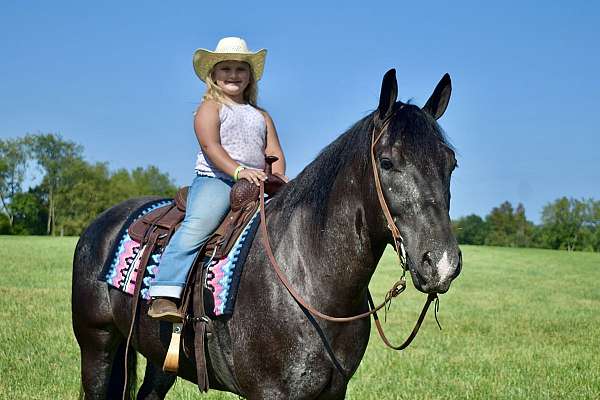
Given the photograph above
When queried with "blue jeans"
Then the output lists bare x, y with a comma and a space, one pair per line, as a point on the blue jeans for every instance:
207, 204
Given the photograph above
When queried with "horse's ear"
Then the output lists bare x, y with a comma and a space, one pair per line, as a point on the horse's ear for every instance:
389, 93
438, 102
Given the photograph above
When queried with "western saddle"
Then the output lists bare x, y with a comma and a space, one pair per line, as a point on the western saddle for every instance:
159, 225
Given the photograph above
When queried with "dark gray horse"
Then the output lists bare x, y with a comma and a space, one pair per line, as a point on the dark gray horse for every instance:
328, 233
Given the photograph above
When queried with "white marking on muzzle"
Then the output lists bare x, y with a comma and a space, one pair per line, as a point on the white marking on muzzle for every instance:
444, 267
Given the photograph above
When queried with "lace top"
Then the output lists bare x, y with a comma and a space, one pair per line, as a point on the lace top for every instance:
243, 136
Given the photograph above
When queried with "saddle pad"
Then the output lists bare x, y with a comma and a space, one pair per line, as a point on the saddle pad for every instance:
120, 271
223, 275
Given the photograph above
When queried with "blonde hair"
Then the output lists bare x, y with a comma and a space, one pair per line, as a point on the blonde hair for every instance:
215, 93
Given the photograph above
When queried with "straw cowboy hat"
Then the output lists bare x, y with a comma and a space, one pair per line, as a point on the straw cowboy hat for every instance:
229, 48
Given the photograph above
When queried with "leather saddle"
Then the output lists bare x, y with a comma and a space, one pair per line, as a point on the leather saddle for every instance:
157, 227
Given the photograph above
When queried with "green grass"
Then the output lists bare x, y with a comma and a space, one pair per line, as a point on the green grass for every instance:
518, 323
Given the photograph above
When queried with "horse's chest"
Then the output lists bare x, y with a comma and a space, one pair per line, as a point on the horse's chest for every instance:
292, 357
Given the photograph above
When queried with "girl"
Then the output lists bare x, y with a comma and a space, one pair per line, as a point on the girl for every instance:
234, 136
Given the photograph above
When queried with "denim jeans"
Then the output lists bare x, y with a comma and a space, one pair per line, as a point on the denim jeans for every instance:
207, 205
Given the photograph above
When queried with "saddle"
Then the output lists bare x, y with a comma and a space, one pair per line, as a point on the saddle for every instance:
158, 226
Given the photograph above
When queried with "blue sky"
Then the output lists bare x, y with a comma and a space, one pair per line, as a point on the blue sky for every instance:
117, 78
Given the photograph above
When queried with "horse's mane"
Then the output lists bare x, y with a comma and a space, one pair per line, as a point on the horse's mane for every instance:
419, 133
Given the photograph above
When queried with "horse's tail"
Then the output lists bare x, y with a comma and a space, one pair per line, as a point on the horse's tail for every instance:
116, 385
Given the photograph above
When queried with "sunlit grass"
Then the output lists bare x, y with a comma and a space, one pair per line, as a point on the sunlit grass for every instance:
518, 323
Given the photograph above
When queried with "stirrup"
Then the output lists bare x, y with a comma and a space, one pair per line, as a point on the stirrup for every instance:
171, 363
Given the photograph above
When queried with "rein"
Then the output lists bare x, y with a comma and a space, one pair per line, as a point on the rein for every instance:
398, 287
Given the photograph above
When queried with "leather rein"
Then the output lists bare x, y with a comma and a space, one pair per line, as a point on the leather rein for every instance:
398, 287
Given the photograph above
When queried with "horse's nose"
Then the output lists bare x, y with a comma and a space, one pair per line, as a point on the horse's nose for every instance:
426, 259
427, 265
440, 268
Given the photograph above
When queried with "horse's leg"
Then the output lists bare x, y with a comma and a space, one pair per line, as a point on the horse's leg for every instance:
99, 351
156, 383
102, 345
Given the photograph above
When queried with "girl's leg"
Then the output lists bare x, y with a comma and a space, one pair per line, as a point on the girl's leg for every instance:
207, 205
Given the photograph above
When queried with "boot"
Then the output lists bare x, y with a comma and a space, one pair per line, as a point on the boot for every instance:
165, 309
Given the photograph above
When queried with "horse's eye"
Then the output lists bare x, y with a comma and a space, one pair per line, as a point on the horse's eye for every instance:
386, 163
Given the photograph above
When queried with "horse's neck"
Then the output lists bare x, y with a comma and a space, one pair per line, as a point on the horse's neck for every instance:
338, 265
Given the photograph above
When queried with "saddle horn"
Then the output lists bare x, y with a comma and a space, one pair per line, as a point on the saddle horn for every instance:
269, 164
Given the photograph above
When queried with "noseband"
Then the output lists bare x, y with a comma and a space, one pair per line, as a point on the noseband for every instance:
396, 289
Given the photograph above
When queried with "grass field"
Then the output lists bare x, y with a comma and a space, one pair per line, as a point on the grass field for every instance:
518, 323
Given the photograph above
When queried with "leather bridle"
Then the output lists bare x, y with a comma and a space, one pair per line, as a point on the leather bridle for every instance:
398, 287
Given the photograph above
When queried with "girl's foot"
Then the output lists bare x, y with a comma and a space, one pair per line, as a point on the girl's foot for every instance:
165, 309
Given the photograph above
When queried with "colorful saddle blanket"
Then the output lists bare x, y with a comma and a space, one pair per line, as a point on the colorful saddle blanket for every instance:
222, 278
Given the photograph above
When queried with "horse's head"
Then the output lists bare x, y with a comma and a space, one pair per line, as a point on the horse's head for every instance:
415, 164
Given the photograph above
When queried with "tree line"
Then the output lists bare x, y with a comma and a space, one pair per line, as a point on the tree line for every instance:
71, 191
566, 223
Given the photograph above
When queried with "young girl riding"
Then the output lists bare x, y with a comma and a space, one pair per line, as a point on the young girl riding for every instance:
234, 136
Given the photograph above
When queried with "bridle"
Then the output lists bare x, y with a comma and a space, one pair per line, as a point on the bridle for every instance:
396, 289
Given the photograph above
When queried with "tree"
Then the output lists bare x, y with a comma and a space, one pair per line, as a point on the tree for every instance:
501, 225
87, 190
31, 212
509, 227
140, 182
120, 186
594, 223
5, 228
13, 164
82, 195
524, 229
52, 153
563, 223
150, 181
471, 229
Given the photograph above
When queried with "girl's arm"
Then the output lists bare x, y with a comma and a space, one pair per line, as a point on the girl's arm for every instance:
273, 147
207, 126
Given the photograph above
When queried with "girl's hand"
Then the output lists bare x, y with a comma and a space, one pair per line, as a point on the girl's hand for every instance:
252, 175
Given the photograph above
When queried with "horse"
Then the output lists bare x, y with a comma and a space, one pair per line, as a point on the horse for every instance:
328, 233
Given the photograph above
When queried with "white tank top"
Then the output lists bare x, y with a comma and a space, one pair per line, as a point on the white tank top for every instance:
243, 136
